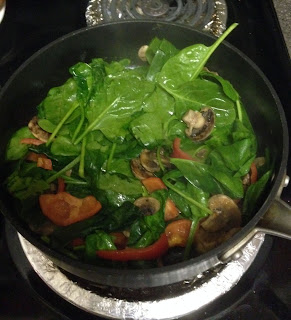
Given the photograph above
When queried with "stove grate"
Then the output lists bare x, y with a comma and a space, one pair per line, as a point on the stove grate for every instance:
209, 15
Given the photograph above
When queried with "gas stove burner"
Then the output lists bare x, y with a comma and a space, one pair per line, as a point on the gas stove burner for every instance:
209, 15
179, 300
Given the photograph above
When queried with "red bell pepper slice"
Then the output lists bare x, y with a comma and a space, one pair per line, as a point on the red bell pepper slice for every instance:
64, 209
33, 141
171, 211
44, 163
78, 242
61, 185
119, 239
254, 173
32, 156
153, 183
178, 153
41, 160
151, 252
178, 232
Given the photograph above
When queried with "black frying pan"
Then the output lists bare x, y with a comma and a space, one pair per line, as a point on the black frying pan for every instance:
49, 67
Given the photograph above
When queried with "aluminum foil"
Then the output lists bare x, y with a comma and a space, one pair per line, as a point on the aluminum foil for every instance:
204, 288
98, 12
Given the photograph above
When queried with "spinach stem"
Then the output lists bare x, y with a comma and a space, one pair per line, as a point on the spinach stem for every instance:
80, 124
193, 229
74, 181
95, 122
159, 159
61, 123
65, 169
108, 165
212, 48
45, 239
145, 192
239, 113
82, 160
185, 196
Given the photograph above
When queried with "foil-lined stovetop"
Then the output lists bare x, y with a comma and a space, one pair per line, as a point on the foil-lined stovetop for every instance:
187, 298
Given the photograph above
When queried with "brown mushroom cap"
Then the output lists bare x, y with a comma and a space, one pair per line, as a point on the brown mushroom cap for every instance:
200, 124
149, 160
138, 170
142, 53
226, 214
44, 229
205, 241
148, 205
37, 131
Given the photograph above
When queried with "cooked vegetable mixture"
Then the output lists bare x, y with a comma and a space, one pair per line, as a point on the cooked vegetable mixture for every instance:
138, 166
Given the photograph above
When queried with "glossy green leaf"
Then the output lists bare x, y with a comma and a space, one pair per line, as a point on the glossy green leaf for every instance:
15, 149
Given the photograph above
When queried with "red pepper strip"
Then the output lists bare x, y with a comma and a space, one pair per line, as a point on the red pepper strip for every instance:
64, 209
254, 173
32, 156
33, 141
61, 185
44, 163
178, 153
171, 211
153, 183
78, 242
151, 252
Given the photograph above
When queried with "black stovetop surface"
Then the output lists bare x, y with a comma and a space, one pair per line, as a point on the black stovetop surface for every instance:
264, 292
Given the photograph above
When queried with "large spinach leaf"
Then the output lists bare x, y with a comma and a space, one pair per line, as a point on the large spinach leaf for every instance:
158, 53
146, 230
99, 240
209, 179
58, 103
113, 110
200, 93
188, 63
15, 149
63, 146
119, 184
253, 194
27, 181
151, 127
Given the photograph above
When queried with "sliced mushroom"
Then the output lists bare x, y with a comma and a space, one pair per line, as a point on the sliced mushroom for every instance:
37, 131
205, 241
200, 123
226, 214
138, 170
259, 161
149, 160
148, 205
142, 53
221, 225
246, 181
44, 229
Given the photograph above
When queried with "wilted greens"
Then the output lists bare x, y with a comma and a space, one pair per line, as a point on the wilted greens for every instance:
108, 113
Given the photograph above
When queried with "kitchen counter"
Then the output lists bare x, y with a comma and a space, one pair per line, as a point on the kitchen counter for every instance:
283, 9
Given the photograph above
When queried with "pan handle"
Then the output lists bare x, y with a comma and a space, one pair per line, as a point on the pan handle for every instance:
276, 222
